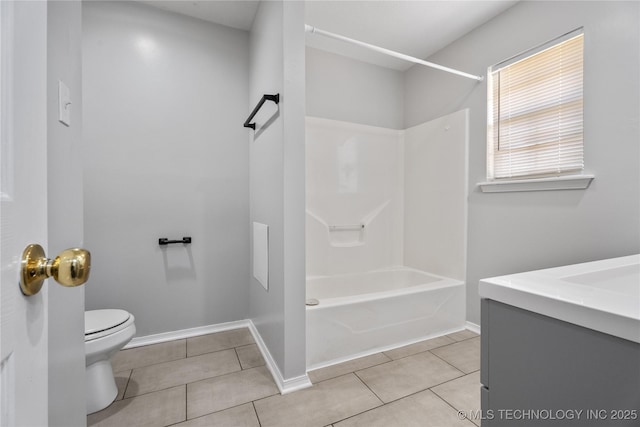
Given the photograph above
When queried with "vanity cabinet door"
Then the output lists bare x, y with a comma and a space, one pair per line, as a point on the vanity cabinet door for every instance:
542, 371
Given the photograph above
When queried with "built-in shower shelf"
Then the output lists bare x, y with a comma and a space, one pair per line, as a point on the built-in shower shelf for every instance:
346, 236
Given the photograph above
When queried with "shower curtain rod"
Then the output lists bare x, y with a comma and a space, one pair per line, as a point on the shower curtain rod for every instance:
314, 30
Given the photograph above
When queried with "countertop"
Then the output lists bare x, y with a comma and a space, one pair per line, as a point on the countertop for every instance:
600, 295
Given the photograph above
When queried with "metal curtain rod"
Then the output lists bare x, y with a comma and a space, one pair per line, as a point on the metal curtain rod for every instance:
314, 30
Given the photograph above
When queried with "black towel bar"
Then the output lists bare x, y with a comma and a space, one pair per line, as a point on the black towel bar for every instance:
164, 241
275, 98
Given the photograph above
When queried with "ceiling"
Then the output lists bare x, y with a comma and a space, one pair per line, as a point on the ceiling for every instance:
236, 14
416, 28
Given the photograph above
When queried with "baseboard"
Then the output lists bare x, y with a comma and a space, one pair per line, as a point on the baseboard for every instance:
185, 333
473, 327
284, 385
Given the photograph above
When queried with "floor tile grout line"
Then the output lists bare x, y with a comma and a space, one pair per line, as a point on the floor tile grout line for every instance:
384, 353
367, 386
463, 340
365, 411
178, 385
377, 407
426, 389
420, 352
221, 332
215, 351
255, 411
150, 364
399, 399
235, 350
453, 379
127, 384
400, 358
228, 373
186, 348
246, 345
351, 372
164, 425
174, 360
449, 380
470, 338
235, 406
449, 404
185, 412
450, 364
150, 392
218, 411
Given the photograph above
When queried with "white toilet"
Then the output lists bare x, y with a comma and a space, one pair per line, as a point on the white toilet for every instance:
105, 333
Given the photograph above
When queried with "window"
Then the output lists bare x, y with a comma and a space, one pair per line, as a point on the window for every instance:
535, 112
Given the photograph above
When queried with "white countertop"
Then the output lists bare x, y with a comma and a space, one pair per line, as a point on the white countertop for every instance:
600, 295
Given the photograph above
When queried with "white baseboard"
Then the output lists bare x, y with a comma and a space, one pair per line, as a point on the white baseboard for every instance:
185, 333
473, 327
284, 385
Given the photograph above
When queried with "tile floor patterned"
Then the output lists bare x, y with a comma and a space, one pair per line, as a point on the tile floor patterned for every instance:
221, 380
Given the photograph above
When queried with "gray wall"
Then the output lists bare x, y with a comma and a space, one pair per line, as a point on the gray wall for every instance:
166, 156
67, 404
277, 180
512, 232
342, 88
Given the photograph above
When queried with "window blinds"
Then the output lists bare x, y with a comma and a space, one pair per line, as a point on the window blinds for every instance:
535, 114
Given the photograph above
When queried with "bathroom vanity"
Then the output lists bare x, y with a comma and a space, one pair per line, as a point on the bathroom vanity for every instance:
561, 346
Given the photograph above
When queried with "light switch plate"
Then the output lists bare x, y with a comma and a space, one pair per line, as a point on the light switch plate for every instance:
64, 104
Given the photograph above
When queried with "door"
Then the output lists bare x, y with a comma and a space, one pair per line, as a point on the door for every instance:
23, 210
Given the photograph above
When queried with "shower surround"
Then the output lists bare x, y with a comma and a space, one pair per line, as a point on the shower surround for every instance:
386, 235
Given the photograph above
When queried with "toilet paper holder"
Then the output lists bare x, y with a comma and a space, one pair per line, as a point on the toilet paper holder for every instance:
164, 241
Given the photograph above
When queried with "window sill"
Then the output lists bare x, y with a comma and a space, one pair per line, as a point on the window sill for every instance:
569, 182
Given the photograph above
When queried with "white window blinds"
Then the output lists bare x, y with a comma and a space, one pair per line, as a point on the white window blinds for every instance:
535, 113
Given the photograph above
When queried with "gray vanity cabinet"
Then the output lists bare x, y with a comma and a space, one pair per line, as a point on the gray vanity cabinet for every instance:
540, 371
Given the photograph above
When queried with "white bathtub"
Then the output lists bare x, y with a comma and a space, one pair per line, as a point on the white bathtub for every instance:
360, 314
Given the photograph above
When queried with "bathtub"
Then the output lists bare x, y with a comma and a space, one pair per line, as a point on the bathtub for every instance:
361, 314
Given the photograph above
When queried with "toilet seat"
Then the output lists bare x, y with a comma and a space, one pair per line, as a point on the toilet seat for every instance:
100, 323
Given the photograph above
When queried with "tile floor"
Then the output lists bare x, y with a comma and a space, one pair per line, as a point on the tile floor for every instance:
221, 380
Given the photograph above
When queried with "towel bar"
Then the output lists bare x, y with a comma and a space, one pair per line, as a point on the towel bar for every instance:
275, 98
164, 241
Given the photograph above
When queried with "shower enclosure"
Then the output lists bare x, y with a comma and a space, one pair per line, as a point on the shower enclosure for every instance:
386, 235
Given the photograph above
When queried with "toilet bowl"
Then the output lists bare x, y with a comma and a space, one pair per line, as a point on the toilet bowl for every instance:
105, 333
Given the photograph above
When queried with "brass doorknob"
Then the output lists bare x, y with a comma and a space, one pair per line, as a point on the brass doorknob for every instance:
70, 268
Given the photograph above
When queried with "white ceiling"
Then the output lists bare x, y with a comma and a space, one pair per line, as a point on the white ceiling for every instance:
236, 14
418, 28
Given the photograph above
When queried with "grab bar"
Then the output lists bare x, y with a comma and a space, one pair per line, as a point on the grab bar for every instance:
275, 98
346, 227
164, 241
